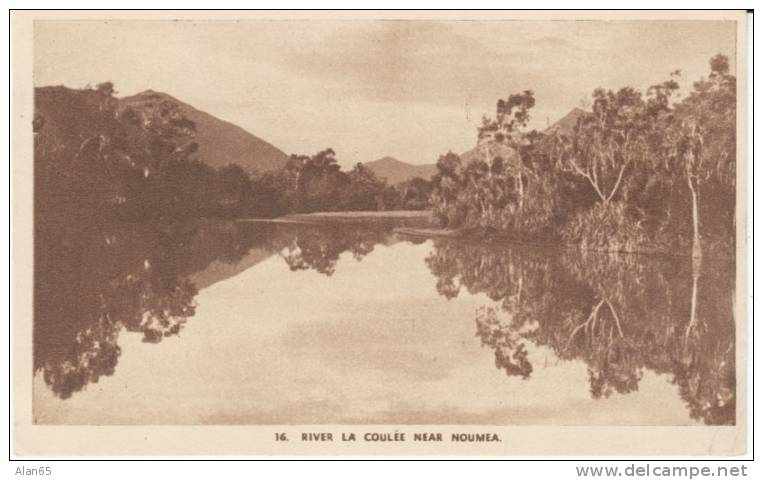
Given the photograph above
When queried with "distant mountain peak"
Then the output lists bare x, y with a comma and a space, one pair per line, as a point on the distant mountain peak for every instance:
567, 123
396, 171
388, 159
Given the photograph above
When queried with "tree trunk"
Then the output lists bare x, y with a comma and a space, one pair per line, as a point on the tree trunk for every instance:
693, 315
617, 183
519, 290
521, 189
696, 249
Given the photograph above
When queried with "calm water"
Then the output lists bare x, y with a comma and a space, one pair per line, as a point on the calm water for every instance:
251, 323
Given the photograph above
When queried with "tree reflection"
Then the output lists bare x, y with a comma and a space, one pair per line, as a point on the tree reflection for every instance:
93, 283
705, 356
93, 353
510, 351
620, 315
319, 247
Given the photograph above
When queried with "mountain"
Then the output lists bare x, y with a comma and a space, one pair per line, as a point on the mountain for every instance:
396, 171
220, 142
567, 123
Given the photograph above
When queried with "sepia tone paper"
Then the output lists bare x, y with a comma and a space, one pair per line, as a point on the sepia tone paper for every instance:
293, 331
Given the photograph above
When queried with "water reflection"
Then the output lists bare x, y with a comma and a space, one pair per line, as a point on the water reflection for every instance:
621, 315
93, 283
318, 248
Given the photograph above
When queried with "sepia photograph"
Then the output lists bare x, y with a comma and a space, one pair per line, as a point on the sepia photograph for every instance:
338, 233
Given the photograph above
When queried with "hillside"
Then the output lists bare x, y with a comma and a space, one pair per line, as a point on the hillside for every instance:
396, 171
220, 142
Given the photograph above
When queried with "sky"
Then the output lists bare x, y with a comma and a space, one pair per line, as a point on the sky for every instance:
411, 89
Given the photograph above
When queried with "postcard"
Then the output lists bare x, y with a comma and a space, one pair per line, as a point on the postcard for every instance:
397, 233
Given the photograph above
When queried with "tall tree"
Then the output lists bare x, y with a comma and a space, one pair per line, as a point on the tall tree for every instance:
508, 129
702, 138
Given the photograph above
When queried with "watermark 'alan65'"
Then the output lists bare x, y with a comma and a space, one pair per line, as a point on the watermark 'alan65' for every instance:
45, 471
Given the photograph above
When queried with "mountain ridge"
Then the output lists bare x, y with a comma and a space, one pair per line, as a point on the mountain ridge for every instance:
220, 142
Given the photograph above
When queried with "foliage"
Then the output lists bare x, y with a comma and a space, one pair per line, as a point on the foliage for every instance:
606, 227
97, 159
700, 144
638, 172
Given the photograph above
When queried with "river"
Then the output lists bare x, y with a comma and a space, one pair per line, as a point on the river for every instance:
251, 323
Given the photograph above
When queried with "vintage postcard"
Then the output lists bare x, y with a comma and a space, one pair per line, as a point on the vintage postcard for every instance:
343, 233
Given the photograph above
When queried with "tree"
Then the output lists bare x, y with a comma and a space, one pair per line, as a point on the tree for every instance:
507, 129
414, 193
607, 141
364, 191
701, 139
447, 184
317, 181
234, 187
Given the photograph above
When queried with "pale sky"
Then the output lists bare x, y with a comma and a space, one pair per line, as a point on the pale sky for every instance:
370, 88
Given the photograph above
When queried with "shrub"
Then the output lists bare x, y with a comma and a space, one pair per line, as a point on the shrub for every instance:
606, 227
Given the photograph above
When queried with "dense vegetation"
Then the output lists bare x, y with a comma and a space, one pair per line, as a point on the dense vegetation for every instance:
639, 172
96, 158
649, 172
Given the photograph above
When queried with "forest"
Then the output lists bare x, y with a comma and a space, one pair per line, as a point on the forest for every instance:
97, 159
639, 171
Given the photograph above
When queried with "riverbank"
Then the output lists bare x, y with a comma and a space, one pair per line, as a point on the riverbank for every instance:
404, 218
477, 235
421, 224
